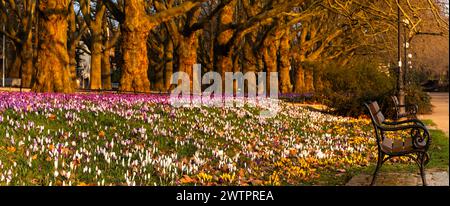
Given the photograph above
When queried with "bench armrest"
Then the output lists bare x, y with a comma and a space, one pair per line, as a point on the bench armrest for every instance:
415, 121
420, 135
414, 108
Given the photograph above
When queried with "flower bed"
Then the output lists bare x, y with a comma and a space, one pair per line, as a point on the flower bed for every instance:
110, 139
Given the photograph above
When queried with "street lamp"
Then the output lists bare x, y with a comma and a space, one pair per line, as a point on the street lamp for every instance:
405, 72
401, 72
3, 57
400, 92
410, 56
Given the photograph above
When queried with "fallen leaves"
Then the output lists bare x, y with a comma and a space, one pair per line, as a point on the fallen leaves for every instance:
51, 117
11, 149
256, 182
101, 134
186, 180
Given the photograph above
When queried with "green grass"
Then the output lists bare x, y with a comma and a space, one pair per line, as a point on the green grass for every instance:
429, 122
439, 150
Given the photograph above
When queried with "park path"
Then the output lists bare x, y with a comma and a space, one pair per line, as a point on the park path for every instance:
440, 115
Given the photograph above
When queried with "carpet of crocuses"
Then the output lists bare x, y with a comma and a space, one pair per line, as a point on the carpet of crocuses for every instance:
126, 139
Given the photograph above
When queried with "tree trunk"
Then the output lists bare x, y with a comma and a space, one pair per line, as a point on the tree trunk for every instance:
14, 65
53, 70
318, 84
285, 64
270, 61
74, 39
299, 83
134, 32
187, 52
168, 67
26, 56
158, 84
134, 74
224, 62
106, 69
250, 63
73, 65
309, 79
96, 62
271, 45
96, 28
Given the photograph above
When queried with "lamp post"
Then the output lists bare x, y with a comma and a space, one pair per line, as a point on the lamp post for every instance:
407, 45
400, 91
408, 78
3, 57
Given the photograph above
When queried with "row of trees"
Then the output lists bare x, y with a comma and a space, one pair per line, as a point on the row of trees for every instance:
155, 38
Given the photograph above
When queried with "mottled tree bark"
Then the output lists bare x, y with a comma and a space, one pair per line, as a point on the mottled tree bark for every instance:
53, 70
250, 62
96, 62
285, 63
168, 67
19, 19
14, 65
74, 39
95, 23
187, 52
73, 66
106, 68
299, 81
309, 79
108, 48
270, 57
158, 84
224, 62
135, 31
26, 56
22, 66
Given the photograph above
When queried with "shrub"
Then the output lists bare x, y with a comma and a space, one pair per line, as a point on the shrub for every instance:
416, 95
346, 88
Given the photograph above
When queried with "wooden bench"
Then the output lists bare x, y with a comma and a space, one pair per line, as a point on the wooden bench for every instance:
410, 109
414, 145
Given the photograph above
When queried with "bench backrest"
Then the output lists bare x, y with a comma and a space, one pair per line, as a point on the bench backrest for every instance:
396, 104
377, 119
375, 112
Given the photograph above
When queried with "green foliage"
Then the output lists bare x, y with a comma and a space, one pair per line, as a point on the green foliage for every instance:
346, 88
415, 95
